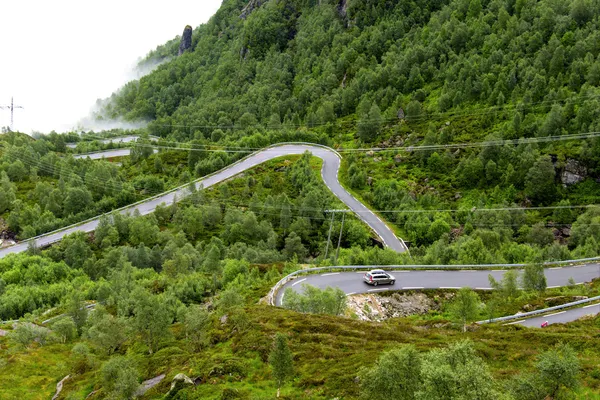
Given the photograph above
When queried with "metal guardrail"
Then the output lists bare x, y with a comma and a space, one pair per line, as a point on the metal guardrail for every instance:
184, 186
272, 295
538, 312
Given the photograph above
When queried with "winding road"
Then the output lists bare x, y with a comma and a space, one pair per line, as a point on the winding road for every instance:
329, 173
349, 282
352, 283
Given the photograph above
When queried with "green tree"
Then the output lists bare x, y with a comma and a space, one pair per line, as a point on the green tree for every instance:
65, 329
294, 247
581, 11
75, 308
369, 126
27, 333
540, 186
558, 370
330, 301
534, 278
395, 375
197, 324
456, 373
281, 361
151, 318
119, 378
465, 307
76, 249
106, 331
7, 193
507, 288
556, 376
78, 200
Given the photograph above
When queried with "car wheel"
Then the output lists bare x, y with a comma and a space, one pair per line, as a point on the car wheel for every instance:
392, 282
374, 283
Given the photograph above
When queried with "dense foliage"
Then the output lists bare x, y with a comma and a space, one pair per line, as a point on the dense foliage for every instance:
408, 74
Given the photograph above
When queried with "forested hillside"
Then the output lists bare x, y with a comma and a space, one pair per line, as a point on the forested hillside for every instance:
475, 103
301, 63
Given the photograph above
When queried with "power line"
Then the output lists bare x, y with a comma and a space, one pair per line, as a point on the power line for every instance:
425, 147
423, 116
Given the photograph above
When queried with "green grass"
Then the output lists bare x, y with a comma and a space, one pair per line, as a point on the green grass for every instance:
328, 351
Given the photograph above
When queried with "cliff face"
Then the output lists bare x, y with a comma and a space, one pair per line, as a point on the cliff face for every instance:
186, 40
251, 6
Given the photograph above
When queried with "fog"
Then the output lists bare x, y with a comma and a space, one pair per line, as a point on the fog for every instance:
58, 58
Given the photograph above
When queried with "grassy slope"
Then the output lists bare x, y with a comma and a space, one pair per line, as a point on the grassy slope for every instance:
327, 353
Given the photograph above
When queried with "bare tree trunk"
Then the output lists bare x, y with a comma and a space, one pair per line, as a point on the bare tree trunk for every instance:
278, 391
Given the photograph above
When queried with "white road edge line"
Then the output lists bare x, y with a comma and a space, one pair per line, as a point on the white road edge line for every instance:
333, 273
350, 294
484, 288
413, 287
556, 268
552, 287
375, 290
301, 280
557, 313
592, 305
449, 287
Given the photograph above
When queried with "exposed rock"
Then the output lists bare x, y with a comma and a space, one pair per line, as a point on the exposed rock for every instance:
397, 158
573, 172
251, 6
224, 319
149, 384
179, 382
370, 180
343, 8
3, 333
371, 307
457, 196
186, 40
401, 114
59, 387
370, 153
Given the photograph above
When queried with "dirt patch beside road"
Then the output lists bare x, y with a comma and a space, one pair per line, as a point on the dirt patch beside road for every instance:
374, 307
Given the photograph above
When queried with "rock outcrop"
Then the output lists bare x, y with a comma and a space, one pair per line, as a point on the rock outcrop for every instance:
251, 6
59, 387
149, 384
343, 8
573, 172
186, 40
372, 307
179, 382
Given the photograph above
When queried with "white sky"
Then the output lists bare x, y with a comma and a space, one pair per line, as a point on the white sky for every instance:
57, 57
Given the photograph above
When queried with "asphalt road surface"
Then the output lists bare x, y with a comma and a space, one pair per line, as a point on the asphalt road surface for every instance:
559, 317
352, 283
104, 154
329, 173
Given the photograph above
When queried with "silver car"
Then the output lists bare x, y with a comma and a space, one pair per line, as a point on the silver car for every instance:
379, 277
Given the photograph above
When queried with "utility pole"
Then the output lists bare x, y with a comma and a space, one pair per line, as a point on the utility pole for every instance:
11, 107
337, 252
331, 228
329, 236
